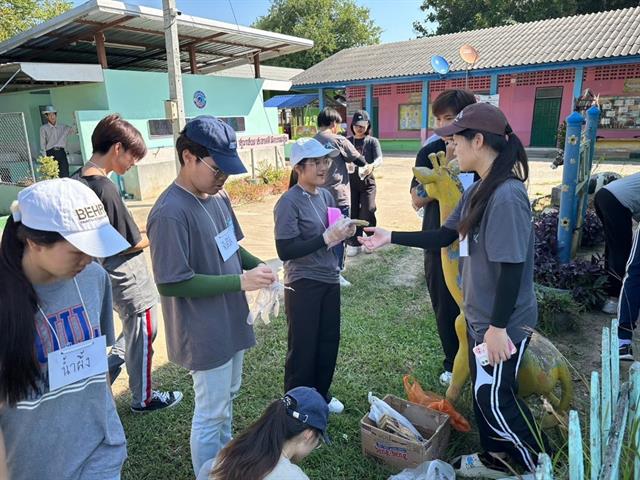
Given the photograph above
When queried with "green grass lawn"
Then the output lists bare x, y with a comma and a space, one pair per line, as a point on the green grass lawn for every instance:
387, 330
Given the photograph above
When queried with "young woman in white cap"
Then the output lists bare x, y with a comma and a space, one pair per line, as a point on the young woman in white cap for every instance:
493, 221
304, 241
57, 414
288, 431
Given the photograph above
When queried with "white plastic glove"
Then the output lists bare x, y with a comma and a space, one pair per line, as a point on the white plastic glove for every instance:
339, 232
264, 303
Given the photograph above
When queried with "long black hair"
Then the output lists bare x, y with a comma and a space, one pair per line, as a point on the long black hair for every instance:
19, 367
256, 451
511, 162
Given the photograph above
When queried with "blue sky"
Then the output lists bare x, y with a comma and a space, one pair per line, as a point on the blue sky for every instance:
395, 17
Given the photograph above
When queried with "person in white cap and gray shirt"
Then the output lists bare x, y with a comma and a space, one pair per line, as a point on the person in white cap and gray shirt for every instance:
53, 139
304, 241
57, 414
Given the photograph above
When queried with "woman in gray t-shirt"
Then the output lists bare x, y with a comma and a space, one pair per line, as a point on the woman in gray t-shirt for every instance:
493, 220
304, 241
57, 414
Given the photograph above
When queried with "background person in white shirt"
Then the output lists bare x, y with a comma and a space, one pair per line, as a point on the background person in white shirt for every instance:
53, 139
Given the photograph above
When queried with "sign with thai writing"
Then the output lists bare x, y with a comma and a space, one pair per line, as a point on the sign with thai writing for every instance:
257, 141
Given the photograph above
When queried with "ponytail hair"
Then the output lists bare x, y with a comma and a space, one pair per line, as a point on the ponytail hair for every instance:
19, 368
511, 162
256, 451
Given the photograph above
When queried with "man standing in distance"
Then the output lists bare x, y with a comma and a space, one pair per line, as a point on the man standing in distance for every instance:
53, 139
202, 274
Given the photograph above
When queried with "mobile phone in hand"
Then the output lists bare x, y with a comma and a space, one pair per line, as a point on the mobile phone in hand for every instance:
480, 351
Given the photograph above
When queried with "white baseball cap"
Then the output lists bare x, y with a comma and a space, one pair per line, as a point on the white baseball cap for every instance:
73, 210
310, 148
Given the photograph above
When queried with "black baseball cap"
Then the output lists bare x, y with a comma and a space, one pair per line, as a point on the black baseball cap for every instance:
308, 406
361, 118
477, 116
220, 141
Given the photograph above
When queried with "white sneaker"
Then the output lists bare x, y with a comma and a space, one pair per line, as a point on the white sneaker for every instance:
445, 378
610, 306
352, 251
344, 282
335, 406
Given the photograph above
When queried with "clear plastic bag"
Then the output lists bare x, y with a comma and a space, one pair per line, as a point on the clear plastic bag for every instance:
429, 470
380, 408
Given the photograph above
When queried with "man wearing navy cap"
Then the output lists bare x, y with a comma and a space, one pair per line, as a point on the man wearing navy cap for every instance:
202, 274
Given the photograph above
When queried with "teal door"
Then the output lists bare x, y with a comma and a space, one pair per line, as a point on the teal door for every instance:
374, 121
546, 117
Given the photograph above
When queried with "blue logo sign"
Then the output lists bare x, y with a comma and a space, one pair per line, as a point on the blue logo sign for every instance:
199, 99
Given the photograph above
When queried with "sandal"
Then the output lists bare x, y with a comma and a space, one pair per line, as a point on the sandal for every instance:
479, 465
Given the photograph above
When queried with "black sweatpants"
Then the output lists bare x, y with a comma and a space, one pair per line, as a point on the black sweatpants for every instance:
61, 157
313, 315
363, 202
504, 421
444, 306
618, 235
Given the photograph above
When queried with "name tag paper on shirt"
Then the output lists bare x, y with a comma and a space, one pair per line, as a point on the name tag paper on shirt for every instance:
463, 246
227, 243
77, 362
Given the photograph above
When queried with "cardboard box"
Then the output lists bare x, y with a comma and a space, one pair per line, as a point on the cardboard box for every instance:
399, 452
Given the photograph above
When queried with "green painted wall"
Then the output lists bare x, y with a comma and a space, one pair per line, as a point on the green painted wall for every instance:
142, 95
8, 193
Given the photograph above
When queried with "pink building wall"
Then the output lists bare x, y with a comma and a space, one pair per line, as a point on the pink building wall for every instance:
517, 97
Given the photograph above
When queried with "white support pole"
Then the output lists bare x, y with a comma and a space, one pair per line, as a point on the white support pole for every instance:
175, 104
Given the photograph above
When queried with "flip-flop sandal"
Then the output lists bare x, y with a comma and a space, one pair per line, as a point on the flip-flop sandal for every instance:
470, 466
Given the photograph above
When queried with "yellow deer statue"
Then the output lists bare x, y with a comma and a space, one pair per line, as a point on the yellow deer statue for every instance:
543, 366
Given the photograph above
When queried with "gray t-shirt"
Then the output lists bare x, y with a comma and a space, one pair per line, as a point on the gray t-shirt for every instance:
133, 288
299, 214
505, 235
627, 191
337, 180
202, 333
73, 432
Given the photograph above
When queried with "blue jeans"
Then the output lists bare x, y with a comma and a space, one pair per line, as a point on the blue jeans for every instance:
339, 249
215, 390
629, 303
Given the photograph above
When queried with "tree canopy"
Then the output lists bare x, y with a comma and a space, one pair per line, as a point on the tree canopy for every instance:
19, 15
459, 15
333, 25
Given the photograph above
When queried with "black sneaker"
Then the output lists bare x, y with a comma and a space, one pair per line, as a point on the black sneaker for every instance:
160, 400
626, 353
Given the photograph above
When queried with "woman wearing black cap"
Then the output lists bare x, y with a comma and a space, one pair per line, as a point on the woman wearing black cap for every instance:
493, 221
361, 179
289, 430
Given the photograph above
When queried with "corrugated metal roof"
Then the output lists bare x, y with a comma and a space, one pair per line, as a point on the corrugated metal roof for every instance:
266, 72
580, 37
22, 75
134, 37
291, 101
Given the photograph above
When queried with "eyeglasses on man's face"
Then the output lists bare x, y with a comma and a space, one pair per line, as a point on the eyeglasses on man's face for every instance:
217, 172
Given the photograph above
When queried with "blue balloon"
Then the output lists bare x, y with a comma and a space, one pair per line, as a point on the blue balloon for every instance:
440, 64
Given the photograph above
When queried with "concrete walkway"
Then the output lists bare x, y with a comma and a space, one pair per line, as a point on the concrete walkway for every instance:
394, 212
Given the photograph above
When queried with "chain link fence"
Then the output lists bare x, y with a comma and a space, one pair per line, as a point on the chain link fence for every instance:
16, 167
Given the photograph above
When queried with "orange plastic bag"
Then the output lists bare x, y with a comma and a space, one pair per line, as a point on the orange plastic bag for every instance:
416, 394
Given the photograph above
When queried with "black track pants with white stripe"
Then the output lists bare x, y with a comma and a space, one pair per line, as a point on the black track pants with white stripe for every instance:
504, 421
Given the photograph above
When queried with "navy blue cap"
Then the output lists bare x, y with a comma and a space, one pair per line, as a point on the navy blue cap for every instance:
220, 141
308, 406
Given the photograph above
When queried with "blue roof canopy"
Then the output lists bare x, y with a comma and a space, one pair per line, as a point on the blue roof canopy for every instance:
291, 101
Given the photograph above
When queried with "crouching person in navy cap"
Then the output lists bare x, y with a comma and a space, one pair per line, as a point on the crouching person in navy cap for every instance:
202, 273
289, 430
